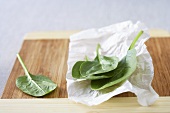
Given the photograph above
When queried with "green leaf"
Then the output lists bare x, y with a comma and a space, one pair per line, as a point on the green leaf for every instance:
75, 70
124, 69
38, 86
101, 64
35, 85
107, 71
76, 73
97, 76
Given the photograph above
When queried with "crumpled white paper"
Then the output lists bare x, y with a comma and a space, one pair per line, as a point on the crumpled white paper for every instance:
115, 41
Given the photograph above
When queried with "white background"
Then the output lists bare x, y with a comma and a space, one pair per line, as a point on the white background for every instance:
18, 17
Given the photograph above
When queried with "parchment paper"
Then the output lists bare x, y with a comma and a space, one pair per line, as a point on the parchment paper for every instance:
115, 41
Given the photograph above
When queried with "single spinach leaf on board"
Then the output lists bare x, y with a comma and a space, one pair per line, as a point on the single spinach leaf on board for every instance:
37, 86
124, 69
101, 64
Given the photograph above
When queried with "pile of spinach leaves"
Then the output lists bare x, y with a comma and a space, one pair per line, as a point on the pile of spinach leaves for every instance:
106, 71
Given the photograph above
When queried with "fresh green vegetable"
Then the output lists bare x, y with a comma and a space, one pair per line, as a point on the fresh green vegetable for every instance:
35, 85
124, 69
75, 70
101, 64
107, 71
76, 73
90, 69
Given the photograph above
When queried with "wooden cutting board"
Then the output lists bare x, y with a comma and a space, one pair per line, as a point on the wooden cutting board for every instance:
49, 58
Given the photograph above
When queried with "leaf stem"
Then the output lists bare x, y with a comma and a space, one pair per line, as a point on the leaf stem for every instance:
97, 51
23, 66
86, 58
135, 40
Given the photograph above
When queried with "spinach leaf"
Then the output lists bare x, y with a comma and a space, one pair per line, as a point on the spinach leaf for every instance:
90, 69
124, 69
37, 86
75, 70
101, 64
76, 73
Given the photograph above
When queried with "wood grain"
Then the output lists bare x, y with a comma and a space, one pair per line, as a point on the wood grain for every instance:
63, 105
49, 57
159, 50
41, 57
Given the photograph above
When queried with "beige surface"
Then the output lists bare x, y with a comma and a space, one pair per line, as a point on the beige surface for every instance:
159, 33
66, 34
63, 105
123, 104
50, 35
